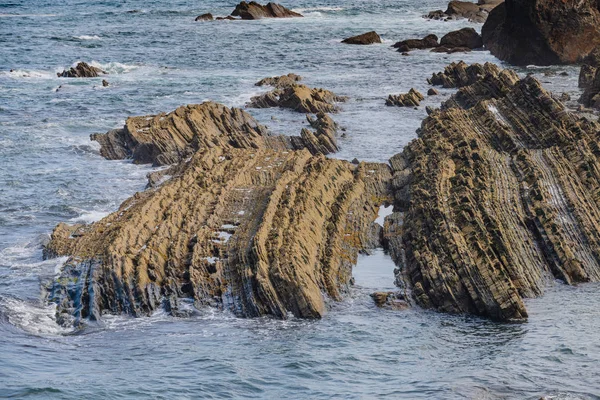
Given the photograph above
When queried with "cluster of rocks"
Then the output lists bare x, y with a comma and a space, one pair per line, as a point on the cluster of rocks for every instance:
287, 93
463, 9
253, 10
81, 70
411, 99
462, 40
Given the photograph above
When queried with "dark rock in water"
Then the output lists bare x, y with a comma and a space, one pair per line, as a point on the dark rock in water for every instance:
411, 99
586, 75
432, 92
565, 97
427, 42
105, 83
227, 18
466, 37
463, 9
450, 50
390, 300
543, 32
492, 200
297, 97
81, 70
591, 94
205, 17
253, 10
366, 38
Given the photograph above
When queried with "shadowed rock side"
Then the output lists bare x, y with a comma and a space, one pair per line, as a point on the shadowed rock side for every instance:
494, 200
296, 97
81, 70
253, 10
543, 32
169, 138
258, 232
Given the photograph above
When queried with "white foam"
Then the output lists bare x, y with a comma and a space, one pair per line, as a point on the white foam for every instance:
324, 8
88, 37
89, 217
37, 320
21, 73
384, 212
114, 67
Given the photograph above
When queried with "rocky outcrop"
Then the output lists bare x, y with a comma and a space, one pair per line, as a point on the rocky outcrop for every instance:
591, 93
427, 42
463, 9
543, 32
242, 225
495, 198
204, 17
465, 37
81, 70
461, 74
366, 38
411, 99
253, 10
297, 97
390, 300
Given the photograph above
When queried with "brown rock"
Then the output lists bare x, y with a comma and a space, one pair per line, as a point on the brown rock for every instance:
81, 70
466, 37
591, 94
460, 74
586, 75
253, 10
432, 92
543, 32
227, 18
297, 97
280, 81
390, 300
105, 83
427, 42
365, 38
205, 17
411, 99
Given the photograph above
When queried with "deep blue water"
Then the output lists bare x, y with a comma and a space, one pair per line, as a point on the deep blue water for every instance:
159, 58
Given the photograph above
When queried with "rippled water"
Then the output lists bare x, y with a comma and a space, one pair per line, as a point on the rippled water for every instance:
159, 58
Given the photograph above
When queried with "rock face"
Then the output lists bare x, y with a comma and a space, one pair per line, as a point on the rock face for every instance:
365, 38
411, 99
253, 10
297, 97
591, 93
81, 70
543, 32
244, 226
494, 198
427, 42
205, 17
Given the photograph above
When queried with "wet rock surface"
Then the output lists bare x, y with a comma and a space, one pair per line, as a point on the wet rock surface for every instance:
411, 99
542, 32
494, 199
474, 12
81, 70
254, 10
427, 42
366, 38
204, 17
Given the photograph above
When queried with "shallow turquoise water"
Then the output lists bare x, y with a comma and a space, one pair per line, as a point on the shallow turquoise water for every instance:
159, 58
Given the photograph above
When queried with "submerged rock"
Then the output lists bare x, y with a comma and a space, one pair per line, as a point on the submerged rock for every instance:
543, 32
411, 99
204, 17
280, 81
427, 42
81, 70
495, 198
253, 10
366, 38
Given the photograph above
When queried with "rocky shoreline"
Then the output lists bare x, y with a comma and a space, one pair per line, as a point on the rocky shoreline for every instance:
496, 196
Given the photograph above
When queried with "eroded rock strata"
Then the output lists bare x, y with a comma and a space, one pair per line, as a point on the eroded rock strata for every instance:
81, 70
494, 200
254, 10
411, 99
543, 32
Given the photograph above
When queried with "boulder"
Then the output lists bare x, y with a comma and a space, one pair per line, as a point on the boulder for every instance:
411, 99
427, 42
463, 9
365, 38
543, 32
205, 17
432, 92
465, 37
81, 70
253, 10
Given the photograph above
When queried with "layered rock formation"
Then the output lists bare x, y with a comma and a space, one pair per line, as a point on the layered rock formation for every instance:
296, 97
81, 70
411, 99
244, 224
461, 74
543, 32
497, 195
253, 10
366, 38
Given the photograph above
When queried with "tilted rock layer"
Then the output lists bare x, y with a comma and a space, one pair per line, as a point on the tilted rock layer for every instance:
543, 32
497, 199
81, 70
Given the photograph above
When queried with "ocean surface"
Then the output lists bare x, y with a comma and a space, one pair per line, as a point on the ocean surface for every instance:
158, 58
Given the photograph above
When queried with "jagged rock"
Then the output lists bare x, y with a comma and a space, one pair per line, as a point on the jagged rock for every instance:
460, 74
81, 70
465, 37
463, 9
365, 38
105, 83
586, 75
257, 230
323, 141
253, 10
280, 81
204, 17
427, 42
542, 32
494, 200
390, 300
411, 99
591, 93
300, 98
432, 92
565, 97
